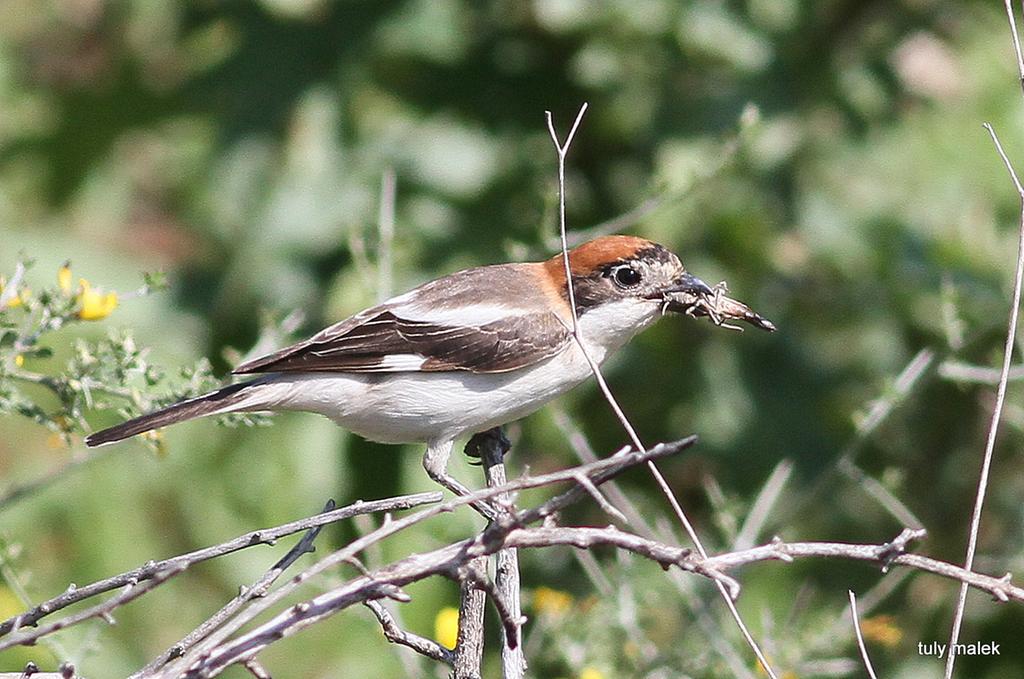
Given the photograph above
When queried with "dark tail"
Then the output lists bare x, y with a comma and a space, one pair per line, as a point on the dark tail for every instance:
216, 401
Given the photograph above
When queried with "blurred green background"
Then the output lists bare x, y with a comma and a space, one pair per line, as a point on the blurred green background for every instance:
825, 158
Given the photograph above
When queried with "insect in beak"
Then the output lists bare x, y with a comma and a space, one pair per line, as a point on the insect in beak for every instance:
692, 296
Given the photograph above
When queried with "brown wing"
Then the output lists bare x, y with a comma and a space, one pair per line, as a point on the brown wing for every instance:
386, 342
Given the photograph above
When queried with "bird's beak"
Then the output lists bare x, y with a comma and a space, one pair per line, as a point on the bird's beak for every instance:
688, 283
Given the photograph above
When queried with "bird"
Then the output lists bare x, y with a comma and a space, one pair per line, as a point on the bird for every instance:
461, 354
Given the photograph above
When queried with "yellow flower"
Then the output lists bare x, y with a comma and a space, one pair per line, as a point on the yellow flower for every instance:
95, 305
551, 602
882, 630
19, 360
446, 626
64, 278
591, 673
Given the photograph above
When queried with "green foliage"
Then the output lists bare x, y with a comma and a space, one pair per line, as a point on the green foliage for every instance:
826, 159
110, 373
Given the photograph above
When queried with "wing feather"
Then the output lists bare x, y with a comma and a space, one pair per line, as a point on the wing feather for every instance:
373, 341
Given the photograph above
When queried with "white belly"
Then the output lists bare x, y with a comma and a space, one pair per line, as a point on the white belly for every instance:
406, 407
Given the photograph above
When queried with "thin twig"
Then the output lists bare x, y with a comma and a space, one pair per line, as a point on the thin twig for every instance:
562, 149
245, 595
256, 669
265, 536
1011, 338
1016, 40
396, 635
103, 610
860, 636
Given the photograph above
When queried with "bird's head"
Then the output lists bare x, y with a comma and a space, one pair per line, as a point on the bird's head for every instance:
633, 280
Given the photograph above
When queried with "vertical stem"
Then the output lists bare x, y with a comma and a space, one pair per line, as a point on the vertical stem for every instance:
493, 446
469, 647
1004, 376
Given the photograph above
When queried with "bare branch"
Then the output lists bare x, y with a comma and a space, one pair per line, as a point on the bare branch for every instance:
1011, 338
598, 471
454, 557
396, 635
469, 646
494, 446
102, 610
152, 568
245, 595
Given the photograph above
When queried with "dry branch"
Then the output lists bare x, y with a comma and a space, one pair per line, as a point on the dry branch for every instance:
152, 569
598, 472
245, 595
453, 559
397, 635
1004, 374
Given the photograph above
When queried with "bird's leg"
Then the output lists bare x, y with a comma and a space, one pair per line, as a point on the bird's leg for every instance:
435, 461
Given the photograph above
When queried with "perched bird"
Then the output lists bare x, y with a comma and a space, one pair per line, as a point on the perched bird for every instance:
463, 353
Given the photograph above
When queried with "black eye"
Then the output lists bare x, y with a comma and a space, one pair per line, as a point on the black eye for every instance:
626, 277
